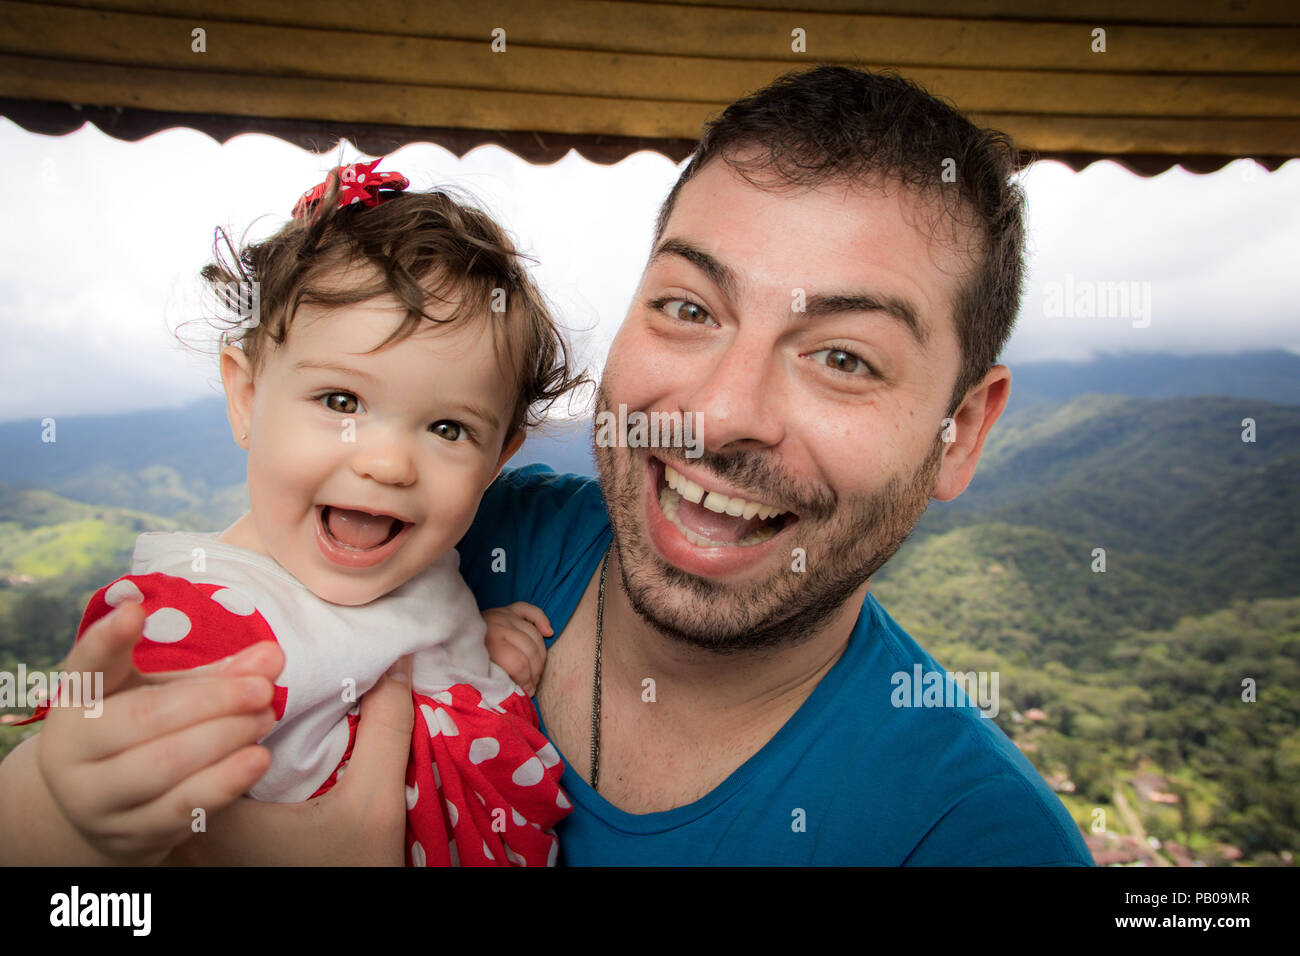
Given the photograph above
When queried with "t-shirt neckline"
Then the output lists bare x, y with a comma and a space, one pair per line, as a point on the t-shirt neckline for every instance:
769, 755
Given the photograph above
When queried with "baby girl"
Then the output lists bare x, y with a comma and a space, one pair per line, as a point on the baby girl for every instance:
397, 353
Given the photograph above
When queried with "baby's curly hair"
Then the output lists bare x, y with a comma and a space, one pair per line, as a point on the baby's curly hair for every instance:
420, 247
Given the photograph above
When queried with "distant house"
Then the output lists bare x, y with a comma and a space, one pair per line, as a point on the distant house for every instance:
1112, 849
1060, 782
1154, 788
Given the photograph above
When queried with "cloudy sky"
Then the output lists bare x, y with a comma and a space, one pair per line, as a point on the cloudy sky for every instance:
101, 242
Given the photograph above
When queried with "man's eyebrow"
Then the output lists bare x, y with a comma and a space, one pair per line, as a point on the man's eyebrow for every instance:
818, 306
332, 367
718, 274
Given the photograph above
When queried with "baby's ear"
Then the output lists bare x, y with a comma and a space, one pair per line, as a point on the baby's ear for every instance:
513, 444
237, 377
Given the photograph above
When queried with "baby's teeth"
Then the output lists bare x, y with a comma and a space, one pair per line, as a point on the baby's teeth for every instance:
716, 502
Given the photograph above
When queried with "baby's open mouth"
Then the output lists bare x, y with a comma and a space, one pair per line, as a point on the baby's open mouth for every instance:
711, 519
359, 530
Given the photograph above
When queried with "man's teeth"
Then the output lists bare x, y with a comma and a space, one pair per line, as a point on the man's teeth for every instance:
737, 507
715, 501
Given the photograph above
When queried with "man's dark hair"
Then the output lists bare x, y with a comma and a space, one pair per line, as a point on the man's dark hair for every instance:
833, 123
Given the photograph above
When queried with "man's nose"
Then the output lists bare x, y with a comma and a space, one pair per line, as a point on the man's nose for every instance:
385, 457
738, 400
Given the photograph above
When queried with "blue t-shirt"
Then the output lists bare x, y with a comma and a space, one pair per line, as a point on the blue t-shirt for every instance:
851, 779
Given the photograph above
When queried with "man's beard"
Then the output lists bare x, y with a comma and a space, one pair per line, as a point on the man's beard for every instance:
853, 540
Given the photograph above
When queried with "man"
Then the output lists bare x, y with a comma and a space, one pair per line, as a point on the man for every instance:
831, 282
829, 304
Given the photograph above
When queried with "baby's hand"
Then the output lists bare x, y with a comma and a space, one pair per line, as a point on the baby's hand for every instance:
514, 642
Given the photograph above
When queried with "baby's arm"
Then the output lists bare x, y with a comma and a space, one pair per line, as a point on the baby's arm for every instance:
515, 642
122, 787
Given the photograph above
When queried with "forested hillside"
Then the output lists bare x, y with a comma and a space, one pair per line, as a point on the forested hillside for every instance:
1128, 566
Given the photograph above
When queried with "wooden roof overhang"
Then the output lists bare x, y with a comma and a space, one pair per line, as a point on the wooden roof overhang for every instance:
1196, 83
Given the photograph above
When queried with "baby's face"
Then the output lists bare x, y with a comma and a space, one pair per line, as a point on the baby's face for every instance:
363, 469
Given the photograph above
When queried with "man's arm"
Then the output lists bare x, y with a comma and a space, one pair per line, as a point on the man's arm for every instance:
32, 830
1003, 822
121, 787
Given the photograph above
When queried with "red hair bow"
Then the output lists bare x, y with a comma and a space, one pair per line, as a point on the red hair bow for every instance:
358, 183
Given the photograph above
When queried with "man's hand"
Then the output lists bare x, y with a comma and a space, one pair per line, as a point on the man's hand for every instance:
360, 821
123, 787
515, 642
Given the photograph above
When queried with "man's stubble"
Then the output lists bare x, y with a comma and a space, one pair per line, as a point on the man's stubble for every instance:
845, 542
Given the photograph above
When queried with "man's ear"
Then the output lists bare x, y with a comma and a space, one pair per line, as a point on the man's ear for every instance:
237, 377
964, 435
513, 444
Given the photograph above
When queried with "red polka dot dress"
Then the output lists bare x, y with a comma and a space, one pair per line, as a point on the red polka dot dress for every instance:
482, 782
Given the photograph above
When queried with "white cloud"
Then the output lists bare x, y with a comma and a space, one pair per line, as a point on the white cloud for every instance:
1218, 250
101, 248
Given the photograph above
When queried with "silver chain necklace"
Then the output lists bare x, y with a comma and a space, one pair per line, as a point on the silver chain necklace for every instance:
595, 680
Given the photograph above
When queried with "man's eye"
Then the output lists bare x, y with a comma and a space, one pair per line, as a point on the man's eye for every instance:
452, 431
685, 311
345, 403
842, 361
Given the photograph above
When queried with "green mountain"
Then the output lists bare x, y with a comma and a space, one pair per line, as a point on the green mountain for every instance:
44, 536
54, 553
179, 463
1139, 672
1170, 479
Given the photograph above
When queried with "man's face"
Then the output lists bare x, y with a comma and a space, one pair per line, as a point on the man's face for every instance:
782, 318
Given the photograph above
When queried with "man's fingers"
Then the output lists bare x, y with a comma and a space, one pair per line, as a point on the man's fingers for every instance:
533, 615
106, 647
264, 659
144, 771
139, 775
135, 716
384, 734
189, 806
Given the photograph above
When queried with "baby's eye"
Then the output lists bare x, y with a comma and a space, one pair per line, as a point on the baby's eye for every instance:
452, 431
685, 311
842, 361
345, 403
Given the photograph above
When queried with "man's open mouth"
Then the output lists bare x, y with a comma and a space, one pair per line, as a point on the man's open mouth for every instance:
359, 530
709, 518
